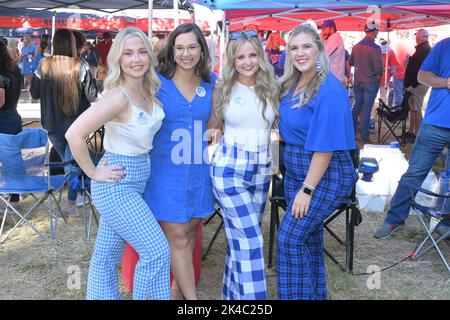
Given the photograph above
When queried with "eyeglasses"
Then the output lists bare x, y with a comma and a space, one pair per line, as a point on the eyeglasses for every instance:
190, 49
245, 34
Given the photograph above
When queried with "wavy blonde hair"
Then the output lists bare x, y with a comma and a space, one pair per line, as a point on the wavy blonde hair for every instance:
292, 76
115, 78
266, 88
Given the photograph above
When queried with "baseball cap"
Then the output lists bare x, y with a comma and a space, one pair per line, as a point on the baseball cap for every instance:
422, 33
371, 26
328, 23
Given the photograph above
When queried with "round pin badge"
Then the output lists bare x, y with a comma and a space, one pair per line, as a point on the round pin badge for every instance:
141, 118
200, 91
239, 101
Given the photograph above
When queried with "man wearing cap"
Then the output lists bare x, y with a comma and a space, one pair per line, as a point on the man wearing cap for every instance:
417, 89
433, 137
366, 58
334, 48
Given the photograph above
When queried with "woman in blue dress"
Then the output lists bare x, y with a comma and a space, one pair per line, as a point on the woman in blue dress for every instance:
316, 124
179, 191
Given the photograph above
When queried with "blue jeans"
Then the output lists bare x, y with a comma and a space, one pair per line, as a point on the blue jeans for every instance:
365, 94
61, 146
430, 142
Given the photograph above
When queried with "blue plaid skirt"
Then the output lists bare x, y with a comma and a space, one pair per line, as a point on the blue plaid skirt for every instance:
300, 259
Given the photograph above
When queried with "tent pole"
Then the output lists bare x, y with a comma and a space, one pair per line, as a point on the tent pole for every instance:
221, 47
388, 27
53, 27
175, 14
150, 20
212, 46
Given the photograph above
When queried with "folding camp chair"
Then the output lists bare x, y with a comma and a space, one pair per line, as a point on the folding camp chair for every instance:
393, 117
436, 218
352, 216
25, 169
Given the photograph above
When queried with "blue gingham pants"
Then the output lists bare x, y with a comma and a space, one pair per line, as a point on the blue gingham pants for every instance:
300, 259
240, 184
125, 217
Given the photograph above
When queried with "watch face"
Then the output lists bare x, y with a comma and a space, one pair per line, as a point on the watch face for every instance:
307, 190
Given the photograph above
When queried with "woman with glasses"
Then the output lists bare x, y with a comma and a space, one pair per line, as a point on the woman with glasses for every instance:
179, 191
316, 124
245, 109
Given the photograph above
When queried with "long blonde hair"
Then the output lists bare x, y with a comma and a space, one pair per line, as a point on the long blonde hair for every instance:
114, 77
292, 76
266, 88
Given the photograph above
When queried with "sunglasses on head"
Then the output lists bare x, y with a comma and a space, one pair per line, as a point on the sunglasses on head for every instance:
246, 34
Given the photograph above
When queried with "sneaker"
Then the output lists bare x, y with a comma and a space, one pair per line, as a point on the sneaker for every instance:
71, 208
81, 201
386, 230
443, 229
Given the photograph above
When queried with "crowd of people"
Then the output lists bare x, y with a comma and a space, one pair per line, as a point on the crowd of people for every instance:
155, 181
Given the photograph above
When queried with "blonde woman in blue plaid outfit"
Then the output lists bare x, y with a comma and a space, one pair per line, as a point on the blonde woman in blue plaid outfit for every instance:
131, 115
245, 108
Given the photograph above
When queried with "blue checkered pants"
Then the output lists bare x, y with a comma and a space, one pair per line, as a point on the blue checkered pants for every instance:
300, 260
125, 217
240, 184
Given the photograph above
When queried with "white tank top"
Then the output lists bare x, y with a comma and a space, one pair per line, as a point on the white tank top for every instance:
244, 123
136, 136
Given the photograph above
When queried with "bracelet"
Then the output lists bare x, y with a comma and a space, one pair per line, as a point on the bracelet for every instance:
308, 186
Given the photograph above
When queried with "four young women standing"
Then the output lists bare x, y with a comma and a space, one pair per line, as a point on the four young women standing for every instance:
315, 122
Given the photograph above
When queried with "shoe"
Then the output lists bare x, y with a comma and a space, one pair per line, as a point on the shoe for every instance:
71, 208
443, 229
386, 230
81, 201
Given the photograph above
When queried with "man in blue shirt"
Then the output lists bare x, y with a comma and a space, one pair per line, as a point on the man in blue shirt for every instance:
433, 137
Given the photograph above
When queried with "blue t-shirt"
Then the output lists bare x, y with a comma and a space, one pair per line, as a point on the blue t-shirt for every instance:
438, 62
323, 124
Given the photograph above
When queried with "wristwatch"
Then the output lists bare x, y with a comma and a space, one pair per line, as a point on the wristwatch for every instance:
307, 190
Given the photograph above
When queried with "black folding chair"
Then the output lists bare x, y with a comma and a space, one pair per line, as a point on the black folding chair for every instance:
393, 117
352, 216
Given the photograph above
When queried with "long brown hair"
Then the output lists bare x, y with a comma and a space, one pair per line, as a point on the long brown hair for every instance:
5, 58
166, 55
63, 70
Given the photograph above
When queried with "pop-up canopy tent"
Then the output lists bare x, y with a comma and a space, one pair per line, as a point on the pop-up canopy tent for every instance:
349, 15
108, 6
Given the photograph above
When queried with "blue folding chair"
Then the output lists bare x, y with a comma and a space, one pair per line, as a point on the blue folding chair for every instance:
25, 169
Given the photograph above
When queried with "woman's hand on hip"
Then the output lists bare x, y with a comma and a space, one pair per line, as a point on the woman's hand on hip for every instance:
108, 174
301, 203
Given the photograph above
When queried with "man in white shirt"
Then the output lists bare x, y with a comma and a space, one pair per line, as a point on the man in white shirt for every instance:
334, 47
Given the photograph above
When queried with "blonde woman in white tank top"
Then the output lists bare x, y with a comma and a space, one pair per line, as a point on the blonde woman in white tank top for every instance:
246, 107
131, 115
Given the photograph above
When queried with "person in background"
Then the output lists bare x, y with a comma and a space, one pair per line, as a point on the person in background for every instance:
411, 84
334, 47
27, 57
66, 89
10, 86
366, 58
131, 115
91, 56
42, 51
101, 76
80, 42
316, 124
246, 105
103, 47
433, 137
388, 71
179, 191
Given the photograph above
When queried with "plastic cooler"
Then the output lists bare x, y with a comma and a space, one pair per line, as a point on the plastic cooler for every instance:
130, 258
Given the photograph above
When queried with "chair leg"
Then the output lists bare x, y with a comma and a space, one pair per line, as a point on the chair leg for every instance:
273, 224
213, 239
